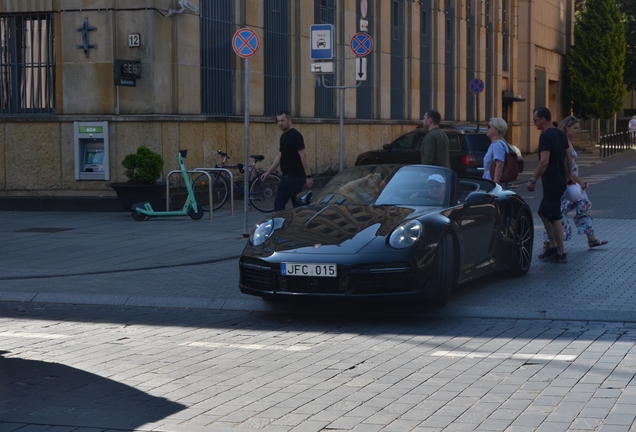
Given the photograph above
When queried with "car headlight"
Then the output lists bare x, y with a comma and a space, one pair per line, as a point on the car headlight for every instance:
261, 232
406, 234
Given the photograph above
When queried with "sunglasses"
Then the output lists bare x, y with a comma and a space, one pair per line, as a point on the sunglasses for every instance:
534, 120
434, 185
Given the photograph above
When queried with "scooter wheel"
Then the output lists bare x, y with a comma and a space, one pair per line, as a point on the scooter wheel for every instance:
196, 215
138, 216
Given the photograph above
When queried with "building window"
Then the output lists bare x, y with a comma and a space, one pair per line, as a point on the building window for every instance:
217, 58
425, 56
364, 94
277, 56
506, 36
27, 64
397, 60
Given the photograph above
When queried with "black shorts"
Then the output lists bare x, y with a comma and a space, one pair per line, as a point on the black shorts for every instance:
550, 209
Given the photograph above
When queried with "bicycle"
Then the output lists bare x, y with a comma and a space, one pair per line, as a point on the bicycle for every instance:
262, 193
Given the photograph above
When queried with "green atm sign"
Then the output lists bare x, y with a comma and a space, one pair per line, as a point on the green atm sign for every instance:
91, 129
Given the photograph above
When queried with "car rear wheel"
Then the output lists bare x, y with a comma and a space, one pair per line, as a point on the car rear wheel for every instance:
522, 252
445, 278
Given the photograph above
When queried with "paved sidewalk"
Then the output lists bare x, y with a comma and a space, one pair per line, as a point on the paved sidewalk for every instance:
109, 259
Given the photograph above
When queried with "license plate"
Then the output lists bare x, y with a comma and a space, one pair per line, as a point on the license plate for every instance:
304, 269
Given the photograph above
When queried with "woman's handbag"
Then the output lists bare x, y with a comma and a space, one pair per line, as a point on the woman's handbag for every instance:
511, 166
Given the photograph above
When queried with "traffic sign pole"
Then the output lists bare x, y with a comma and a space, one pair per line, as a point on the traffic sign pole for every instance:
246, 44
476, 86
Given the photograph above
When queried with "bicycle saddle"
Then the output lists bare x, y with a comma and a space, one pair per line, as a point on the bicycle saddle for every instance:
257, 157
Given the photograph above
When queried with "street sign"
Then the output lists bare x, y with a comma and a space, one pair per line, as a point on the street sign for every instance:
361, 44
246, 42
476, 86
321, 37
361, 69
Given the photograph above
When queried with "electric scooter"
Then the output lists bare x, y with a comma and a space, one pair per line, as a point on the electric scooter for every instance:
143, 210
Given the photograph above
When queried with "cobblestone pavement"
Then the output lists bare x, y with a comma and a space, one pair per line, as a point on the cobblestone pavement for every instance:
111, 324
109, 259
97, 368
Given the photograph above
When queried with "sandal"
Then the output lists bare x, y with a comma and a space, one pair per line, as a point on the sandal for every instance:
597, 243
546, 245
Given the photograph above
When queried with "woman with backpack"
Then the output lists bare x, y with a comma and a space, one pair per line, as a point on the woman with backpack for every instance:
496, 155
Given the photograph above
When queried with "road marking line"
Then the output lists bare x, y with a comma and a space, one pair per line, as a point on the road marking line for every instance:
547, 357
34, 335
248, 346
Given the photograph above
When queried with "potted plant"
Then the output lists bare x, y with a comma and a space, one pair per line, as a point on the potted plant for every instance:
143, 169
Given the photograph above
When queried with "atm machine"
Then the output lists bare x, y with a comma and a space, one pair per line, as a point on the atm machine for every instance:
91, 151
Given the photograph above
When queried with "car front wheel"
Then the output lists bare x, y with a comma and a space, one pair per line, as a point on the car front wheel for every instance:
522, 248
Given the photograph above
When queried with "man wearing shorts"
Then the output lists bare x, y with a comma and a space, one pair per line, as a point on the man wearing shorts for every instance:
554, 170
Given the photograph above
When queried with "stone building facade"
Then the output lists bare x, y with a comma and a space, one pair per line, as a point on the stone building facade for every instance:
59, 56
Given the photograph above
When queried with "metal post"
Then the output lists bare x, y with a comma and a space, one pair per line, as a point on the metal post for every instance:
246, 149
342, 89
341, 128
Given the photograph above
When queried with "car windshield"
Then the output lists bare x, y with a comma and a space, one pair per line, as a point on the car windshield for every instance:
414, 185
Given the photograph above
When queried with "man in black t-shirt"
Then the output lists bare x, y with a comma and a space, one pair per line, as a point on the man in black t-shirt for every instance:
554, 169
292, 160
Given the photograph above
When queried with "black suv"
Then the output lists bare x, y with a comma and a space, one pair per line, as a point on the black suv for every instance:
467, 151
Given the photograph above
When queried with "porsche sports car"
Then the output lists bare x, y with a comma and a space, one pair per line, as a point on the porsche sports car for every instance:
389, 230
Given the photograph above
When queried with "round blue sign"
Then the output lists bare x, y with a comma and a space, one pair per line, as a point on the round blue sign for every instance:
361, 44
246, 42
476, 86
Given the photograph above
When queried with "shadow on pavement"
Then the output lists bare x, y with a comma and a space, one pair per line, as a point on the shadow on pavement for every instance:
38, 392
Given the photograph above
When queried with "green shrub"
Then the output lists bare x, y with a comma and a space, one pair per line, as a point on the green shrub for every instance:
145, 166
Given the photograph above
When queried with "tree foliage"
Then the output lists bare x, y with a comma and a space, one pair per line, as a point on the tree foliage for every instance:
628, 9
596, 63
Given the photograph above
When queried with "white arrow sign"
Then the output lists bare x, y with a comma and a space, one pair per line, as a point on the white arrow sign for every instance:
361, 69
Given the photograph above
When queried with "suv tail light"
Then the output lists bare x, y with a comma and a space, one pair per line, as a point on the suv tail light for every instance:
469, 160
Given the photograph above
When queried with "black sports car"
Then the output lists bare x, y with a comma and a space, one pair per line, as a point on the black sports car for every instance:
389, 230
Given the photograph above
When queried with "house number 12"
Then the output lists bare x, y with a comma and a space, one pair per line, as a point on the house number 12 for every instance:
133, 40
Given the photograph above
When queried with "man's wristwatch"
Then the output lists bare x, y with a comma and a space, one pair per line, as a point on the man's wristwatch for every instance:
309, 176
533, 181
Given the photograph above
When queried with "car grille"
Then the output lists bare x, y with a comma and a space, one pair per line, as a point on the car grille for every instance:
258, 275
391, 278
378, 283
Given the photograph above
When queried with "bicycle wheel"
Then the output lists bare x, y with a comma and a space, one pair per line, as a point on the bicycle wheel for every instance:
263, 193
219, 191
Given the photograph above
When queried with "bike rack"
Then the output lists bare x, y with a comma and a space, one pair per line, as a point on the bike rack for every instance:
189, 172
230, 186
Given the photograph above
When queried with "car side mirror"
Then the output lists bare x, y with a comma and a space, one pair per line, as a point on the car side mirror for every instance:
477, 198
386, 146
306, 199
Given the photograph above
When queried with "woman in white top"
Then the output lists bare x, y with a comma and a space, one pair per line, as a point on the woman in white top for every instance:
582, 218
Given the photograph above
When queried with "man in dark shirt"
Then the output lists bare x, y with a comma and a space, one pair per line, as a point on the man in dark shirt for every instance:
436, 147
554, 169
292, 160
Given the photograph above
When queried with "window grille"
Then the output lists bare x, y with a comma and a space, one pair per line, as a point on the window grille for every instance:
276, 49
364, 93
506, 41
449, 67
217, 58
470, 61
425, 56
324, 106
397, 60
488, 81
27, 64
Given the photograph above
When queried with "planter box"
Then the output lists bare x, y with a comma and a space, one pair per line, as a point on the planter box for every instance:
130, 194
